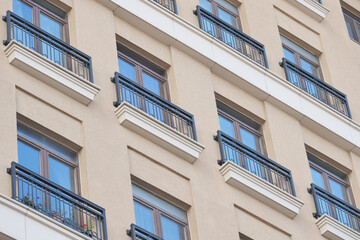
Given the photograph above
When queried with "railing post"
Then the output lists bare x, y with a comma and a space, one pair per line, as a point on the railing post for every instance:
312, 190
91, 78
194, 128
175, 7
222, 154
104, 225
13, 180
265, 58
8, 23
348, 107
117, 84
292, 185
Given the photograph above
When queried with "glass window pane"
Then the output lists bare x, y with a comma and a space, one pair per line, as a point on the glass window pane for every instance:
310, 68
127, 69
144, 217
289, 55
151, 83
228, 18
339, 190
61, 174
250, 140
206, 5
29, 157
351, 28
226, 126
23, 10
51, 26
172, 230
228, 6
317, 178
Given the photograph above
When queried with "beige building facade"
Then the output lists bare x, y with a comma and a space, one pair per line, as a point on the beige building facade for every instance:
180, 120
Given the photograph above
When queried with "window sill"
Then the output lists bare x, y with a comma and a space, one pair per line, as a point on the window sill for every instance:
312, 8
22, 222
334, 230
158, 132
260, 189
50, 73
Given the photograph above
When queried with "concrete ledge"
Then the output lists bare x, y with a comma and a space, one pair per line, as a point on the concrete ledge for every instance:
260, 189
312, 8
51, 73
334, 230
21, 222
158, 132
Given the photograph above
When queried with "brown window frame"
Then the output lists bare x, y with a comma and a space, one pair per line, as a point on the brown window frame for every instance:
298, 57
326, 175
215, 5
140, 68
355, 20
157, 213
45, 152
37, 9
237, 124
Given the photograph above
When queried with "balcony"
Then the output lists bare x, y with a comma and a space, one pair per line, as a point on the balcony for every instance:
257, 175
231, 36
337, 219
137, 233
156, 118
57, 204
49, 59
169, 4
316, 88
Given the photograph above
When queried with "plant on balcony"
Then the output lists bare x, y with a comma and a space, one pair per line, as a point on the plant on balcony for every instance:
29, 201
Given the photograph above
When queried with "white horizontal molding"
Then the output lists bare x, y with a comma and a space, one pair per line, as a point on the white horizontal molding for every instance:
51, 73
158, 132
260, 189
18, 221
312, 8
239, 70
334, 230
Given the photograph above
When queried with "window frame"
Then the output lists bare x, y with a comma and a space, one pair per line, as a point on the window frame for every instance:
237, 124
157, 213
355, 20
38, 9
327, 175
298, 57
45, 153
214, 7
140, 68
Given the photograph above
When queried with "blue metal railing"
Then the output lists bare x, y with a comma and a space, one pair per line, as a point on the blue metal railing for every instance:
231, 36
154, 105
47, 45
254, 162
138, 233
326, 203
169, 4
58, 203
316, 88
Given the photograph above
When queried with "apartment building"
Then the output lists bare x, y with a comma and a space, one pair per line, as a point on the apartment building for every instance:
180, 120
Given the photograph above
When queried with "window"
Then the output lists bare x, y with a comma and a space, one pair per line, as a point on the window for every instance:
47, 158
301, 57
43, 15
330, 179
142, 71
353, 25
224, 10
159, 217
240, 127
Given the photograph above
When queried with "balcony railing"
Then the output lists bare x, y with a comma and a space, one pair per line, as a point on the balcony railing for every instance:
154, 105
231, 36
57, 202
316, 88
48, 46
252, 161
137, 233
169, 4
326, 203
